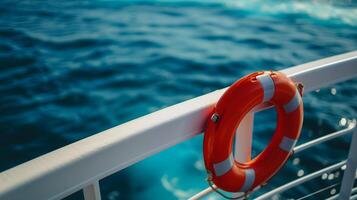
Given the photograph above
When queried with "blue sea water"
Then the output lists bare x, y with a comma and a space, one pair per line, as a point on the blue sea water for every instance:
70, 69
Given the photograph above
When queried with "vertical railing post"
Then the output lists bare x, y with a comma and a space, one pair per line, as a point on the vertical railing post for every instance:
243, 139
350, 172
92, 191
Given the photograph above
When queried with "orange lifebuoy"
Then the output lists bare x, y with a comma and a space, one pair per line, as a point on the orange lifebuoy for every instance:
248, 92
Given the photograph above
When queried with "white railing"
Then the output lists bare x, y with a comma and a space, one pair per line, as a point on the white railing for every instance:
82, 164
349, 174
308, 177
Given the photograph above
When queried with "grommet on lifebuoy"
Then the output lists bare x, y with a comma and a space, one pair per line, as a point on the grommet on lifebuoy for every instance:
248, 92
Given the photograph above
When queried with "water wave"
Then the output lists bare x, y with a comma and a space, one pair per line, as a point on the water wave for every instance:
71, 69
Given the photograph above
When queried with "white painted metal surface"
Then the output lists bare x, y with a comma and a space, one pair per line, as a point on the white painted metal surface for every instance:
297, 149
243, 139
301, 180
73, 167
323, 139
306, 178
202, 194
350, 172
354, 190
92, 191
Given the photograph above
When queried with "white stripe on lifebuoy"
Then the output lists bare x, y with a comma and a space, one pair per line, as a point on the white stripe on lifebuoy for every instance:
249, 180
293, 103
287, 144
223, 167
268, 86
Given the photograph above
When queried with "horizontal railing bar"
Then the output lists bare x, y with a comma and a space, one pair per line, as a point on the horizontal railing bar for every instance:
353, 197
300, 181
297, 149
202, 194
336, 195
322, 139
324, 73
74, 166
319, 191
354, 190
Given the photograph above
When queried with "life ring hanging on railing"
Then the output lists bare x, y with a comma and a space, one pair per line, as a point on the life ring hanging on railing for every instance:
248, 92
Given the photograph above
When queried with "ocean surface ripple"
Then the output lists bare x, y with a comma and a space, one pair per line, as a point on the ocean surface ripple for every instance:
71, 69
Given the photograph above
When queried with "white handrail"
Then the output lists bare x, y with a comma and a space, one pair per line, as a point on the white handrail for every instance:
68, 169
301, 180
324, 138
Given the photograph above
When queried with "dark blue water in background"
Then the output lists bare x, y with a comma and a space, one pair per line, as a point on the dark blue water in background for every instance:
70, 69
